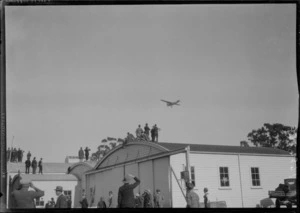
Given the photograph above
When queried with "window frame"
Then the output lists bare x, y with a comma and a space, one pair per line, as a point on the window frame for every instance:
69, 193
251, 177
224, 173
193, 173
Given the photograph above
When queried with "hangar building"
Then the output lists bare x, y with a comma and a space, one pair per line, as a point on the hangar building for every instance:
240, 176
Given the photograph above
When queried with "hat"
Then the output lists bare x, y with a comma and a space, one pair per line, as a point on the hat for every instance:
127, 179
190, 185
24, 182
148, 191
59, 188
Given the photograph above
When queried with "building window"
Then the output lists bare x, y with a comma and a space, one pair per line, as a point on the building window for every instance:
193, 175
224, 177
255, 176
68, 193
39, 202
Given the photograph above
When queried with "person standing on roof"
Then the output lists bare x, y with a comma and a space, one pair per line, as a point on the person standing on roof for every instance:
81, 154
147, 129
28, 155
34, 165
156, 133
153, 134
41, 166
8, 155
24, 198
87, 153
27, 166
14, 155
125, 195
139, 132
21, 155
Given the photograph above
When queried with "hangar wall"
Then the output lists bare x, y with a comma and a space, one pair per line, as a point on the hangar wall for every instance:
153, 174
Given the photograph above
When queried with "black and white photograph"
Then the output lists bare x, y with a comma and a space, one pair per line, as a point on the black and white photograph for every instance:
150, 106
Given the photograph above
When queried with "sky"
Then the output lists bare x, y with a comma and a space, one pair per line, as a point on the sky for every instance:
79, 74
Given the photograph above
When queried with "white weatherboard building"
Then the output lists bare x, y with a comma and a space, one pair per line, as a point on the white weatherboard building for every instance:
54, 174
240, 176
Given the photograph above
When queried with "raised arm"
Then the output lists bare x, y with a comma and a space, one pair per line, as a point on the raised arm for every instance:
137, 182
38, 192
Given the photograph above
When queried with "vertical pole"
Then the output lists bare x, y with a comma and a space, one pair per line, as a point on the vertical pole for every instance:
3, 162
153, 172
188, 166
241, 184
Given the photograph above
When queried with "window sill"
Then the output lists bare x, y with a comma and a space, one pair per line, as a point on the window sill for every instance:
225, 188
256, 187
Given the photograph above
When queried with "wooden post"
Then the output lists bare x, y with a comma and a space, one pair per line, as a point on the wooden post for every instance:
188, 166
3, 159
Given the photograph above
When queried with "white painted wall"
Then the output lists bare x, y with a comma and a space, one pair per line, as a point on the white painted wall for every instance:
176, 162
49, 186
273, 171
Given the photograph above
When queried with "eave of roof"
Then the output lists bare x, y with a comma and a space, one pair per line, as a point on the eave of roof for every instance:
49, 177
47, 167
225, 149
157, 155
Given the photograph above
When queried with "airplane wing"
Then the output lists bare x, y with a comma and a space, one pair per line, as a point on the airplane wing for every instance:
166, 101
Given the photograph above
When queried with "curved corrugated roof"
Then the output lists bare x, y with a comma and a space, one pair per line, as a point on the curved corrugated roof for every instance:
89, 164
224, 148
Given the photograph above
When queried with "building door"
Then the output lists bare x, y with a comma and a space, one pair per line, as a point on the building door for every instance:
146, 176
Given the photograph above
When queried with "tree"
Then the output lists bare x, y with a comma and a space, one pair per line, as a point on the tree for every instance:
106, 145
275, 136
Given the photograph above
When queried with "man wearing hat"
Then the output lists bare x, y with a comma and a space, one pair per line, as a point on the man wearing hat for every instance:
61, 201
192, 198
24, 198
148, 199
158, 199
126, 195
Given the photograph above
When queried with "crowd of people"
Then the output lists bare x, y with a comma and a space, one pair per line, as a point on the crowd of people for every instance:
24, 198
33, 164
14, 155
143, 134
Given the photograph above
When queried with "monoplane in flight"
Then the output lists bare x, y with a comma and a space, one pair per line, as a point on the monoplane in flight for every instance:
170, 104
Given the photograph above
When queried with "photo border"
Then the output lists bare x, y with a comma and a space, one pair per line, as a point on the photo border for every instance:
3, 121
